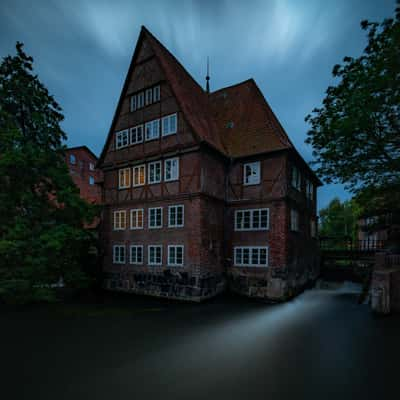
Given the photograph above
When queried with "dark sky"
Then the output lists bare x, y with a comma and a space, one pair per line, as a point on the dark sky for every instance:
82, 51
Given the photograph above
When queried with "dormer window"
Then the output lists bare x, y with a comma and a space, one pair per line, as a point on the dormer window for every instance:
251, 173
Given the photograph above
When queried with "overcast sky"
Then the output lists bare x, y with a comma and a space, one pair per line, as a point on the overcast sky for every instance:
82, 51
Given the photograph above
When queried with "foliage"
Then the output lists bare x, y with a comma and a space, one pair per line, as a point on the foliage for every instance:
41, 214
355, 134
339, 219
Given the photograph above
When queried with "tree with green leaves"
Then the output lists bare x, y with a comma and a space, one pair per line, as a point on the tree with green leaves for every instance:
356, 133
42, 217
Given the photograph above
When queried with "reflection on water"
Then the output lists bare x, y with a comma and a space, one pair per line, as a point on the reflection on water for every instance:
322, 344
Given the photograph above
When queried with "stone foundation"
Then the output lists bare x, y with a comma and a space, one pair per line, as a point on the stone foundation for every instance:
168, 284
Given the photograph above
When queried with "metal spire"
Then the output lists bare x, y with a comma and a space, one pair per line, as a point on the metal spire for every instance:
208, 76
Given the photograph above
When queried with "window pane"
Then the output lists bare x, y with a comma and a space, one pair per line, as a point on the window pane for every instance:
254, 256
256, 219
263, 256
246, 257
264, 219
246, 219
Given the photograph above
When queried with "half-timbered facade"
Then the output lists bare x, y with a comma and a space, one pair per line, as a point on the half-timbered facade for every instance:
202, 189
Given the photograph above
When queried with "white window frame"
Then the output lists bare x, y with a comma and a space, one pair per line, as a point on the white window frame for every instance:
136, 211
294, 220
117, 217
238, 263
252, 212
91, 166
149, 167
174, 172
151, 124
166, 125
173, 263
155, 209
296, 178
159, 246
122, 139
138, 167
134, 131
133, 103
140, 100
156, 90
148, 96
136, 246
176, 207
119, 259
124, 171
255, 178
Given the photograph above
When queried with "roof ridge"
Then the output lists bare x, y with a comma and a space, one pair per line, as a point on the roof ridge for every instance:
233, 85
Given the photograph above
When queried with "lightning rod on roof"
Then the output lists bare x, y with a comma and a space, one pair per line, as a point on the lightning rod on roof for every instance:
208, 76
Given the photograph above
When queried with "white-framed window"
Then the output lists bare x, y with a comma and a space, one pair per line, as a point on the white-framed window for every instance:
139, 175
119, 254
154, 172
140, 100
309, 190
251, 173
136, 254
294, 220
156, 93
155, 217
154, 254
137, 134
133, 103
152, 129
169, 124
137, 218
252, 220
313, 228
250, 256
91, 180
91, 166
175, 255
72, 159
296, 178
119, 220
149, 96
176, 216
124, 178
122, 138
171, 169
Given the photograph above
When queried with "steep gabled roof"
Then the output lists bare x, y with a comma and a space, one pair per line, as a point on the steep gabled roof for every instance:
190, 96
85, 148
246, 123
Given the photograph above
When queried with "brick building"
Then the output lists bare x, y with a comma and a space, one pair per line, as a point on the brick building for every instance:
82, 168
202, 189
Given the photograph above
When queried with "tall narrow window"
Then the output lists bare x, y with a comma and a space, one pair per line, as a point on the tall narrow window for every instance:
149, 96
137, 218
124, 178
156, 93
139, 175
140, 99
251, 173
122, 139
154, 172
169, 124
91, 180
296, 178
294, 220
313, 228
119, 254
119, 218
136, 256
309, 190
137, 134
133, 103
171, 169
175, 255
91, 166
155, 217
152, 129
154, 255
175, 216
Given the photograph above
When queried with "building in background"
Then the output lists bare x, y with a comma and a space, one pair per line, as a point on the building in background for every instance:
81, 163
202, 189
